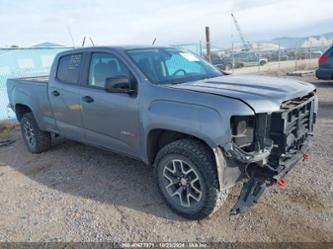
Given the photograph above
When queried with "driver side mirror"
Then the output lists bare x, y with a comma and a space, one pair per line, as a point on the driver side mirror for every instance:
119, 84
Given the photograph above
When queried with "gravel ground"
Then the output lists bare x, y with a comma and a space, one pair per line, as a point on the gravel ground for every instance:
75, 192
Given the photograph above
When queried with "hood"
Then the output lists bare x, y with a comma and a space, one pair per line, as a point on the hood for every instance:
262, 93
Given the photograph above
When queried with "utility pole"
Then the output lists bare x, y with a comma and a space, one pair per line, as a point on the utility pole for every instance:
208, 44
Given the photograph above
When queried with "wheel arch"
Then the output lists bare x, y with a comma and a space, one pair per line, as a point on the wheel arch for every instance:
227, 172
21, 109
157, 138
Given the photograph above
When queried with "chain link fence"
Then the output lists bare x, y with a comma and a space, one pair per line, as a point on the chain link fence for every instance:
25, 62
22, 62
264, 59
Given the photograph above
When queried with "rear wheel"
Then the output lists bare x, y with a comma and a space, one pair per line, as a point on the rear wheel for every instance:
262, 63
186, 176
35, 139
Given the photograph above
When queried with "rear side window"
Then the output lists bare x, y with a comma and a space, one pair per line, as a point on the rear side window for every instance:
69, 68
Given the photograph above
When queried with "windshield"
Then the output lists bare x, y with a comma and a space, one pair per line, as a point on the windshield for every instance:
171, 65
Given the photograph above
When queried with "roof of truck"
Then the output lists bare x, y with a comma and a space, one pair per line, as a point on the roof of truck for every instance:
126, 47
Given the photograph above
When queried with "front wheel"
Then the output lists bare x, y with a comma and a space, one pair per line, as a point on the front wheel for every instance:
186, 176
35, 139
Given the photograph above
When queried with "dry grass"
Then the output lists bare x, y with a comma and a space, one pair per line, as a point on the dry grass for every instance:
6, 129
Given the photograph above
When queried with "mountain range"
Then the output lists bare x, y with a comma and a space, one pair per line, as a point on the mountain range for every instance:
314, 40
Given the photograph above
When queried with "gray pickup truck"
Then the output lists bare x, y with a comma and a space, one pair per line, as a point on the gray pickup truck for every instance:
201, 130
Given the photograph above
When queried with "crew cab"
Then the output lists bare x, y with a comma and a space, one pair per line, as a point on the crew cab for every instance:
202, 131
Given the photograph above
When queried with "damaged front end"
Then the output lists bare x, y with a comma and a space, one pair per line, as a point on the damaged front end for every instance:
267, 146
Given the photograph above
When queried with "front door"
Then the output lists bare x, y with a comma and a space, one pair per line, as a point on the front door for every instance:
109, 119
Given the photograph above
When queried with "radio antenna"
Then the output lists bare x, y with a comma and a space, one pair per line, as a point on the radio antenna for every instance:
92, 42
84, 41
71, 36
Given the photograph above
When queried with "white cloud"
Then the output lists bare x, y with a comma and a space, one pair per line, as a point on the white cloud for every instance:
171, 21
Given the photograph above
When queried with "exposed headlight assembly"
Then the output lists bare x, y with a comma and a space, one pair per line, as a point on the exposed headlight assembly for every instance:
242, 129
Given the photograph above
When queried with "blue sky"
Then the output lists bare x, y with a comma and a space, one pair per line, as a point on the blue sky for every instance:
27, 22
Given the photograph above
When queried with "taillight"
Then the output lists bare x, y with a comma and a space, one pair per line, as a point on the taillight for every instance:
323, 59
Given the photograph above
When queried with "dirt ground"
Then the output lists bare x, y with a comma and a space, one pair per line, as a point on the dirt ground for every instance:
75, 192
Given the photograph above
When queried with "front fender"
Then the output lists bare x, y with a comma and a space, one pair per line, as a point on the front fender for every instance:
195, 120
209, 123
199, 121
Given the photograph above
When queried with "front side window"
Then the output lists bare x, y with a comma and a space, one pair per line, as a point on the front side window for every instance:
69, 68
103, 66
171, 65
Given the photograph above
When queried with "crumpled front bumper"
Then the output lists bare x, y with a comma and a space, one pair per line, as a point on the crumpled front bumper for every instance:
284, 137
232, 150
259, 175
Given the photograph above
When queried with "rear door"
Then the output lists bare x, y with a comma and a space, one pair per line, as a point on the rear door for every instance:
110, 119
64, 95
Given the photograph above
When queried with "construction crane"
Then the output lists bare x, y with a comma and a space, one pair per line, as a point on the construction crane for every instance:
247, 45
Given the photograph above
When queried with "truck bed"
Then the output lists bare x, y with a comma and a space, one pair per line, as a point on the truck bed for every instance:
33, 93
37, 79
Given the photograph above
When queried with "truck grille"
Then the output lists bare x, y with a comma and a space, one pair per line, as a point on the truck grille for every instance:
291, 127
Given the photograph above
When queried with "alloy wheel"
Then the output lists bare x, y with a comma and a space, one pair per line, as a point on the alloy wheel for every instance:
29, 133
182, 183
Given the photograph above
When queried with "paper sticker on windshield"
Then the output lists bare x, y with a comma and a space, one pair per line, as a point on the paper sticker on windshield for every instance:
189, 57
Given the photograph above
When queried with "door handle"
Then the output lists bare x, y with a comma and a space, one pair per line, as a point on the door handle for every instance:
88, 99
55, 93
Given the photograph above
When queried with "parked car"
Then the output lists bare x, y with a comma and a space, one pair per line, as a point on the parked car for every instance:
238, 60
325, 70
201, 130
223, 62
218, 61
276, 56
227, 63
249, 59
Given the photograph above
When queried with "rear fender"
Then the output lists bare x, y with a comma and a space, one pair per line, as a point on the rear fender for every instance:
27, 96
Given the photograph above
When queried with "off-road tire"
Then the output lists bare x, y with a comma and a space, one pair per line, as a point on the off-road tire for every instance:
202, 160
42, 139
